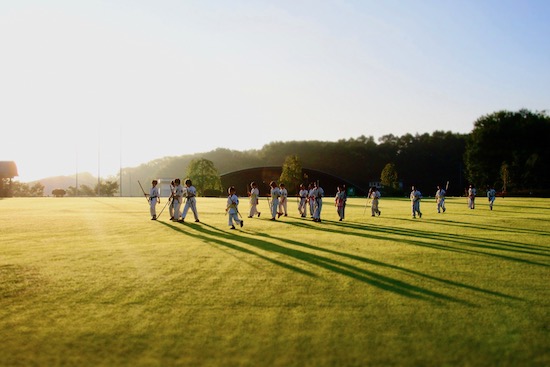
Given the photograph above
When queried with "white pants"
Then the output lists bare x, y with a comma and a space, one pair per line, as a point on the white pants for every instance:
153, 207
283, 206
374, 207
440, 205
177, 206
254, 208
233, 218
302, 206
190, 203
318, 207
416, 208
274, 206
171, 208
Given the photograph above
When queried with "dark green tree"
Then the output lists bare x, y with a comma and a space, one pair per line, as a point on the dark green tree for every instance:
291, 174
521, 139
204, 175
85, 190
107, 188
21, 189
389, 177
58, 193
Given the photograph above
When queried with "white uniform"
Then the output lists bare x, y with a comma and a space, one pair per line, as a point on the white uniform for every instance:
275, 194
491, 195
472, 197
374, 196
178, 199
233, 211
318, 194
416, 196
254, 200
440, 198
190, 193
311, 198
303, 202
283, 202
171, 205
340, 202
154, 197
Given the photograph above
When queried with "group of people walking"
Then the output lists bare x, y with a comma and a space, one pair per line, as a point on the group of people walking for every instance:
440, 195
180, 195
310, 201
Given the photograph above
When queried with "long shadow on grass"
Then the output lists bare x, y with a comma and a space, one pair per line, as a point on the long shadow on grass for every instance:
491, 227
441, 241
221, 242
395, 267
211, 234
522, 247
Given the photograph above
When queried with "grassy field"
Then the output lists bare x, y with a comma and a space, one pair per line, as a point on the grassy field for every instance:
95, 282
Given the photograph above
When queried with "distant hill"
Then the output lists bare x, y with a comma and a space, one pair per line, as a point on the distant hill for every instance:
63, 182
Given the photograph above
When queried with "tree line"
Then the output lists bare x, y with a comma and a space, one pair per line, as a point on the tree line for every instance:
507, 150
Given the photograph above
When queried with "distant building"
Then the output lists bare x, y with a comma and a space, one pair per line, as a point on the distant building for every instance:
8, 170
165, 187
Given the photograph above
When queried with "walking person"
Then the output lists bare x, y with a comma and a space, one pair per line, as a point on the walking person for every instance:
311, 199
283, 200
339, 201
440, 199
254, 200
275, 194
191, 201
415, 197
472, 197
233, 208
154, 199
375, 197
302, 205
318, 194
491, 196
177, 199
171, 199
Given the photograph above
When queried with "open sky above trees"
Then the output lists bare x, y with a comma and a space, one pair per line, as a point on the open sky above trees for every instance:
91, 86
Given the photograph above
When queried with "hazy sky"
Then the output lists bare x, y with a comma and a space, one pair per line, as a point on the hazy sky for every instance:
125, 82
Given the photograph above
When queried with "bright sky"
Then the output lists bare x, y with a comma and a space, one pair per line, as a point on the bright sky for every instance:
91, 86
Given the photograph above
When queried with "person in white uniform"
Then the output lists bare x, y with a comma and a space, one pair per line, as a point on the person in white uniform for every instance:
190, 194
472, 197
154, 199
254, 200
491, 196
232, 208
415, 197
283, 204
440, 199
275, 194
375, 198
318, 194
339, 201
302, 206
177, 199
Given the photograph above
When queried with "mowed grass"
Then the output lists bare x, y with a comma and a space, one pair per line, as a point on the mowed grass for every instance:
95, 282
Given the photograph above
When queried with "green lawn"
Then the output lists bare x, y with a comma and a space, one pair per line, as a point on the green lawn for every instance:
95, 282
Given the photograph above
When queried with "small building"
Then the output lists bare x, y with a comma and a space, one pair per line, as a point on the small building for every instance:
8, 170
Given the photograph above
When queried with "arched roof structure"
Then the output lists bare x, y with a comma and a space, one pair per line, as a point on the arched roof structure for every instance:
264, 175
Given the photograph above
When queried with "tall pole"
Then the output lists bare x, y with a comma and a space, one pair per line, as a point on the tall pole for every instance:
76, 173
98, 160
120, 162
